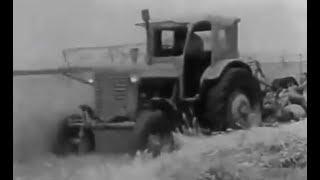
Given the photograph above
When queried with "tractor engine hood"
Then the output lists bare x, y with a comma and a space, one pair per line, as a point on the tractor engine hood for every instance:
160, 70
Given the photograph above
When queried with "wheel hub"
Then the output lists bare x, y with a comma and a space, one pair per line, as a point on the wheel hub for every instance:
241, 113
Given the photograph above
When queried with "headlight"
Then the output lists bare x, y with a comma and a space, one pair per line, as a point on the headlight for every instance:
134, 79
91, 81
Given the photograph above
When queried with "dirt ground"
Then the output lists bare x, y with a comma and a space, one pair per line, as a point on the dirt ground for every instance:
261, 153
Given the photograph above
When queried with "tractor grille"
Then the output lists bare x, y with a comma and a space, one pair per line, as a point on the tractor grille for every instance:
120, 86
111, 93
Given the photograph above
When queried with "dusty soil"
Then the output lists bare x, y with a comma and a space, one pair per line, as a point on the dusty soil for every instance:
260, 153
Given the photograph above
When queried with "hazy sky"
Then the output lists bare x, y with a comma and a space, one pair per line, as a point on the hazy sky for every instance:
43, 28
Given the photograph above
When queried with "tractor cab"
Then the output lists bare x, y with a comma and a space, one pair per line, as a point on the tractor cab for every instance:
209, 41
165, 38
193, 46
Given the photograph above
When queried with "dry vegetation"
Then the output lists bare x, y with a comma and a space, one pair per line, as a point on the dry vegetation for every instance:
261, 153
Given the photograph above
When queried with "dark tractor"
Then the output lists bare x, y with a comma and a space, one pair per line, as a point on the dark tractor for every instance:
215, 85
283, 83
192, 70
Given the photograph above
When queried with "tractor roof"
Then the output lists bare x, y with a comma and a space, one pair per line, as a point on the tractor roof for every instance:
165, 24
222, 20
182, 22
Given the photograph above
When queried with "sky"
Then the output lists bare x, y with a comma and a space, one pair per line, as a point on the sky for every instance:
43, 28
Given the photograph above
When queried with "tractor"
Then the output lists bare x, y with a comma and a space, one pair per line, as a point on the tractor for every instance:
192, 71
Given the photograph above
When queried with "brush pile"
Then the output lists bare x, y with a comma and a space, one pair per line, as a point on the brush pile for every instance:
284, 104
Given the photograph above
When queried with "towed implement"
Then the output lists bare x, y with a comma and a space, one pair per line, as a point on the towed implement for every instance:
192, 70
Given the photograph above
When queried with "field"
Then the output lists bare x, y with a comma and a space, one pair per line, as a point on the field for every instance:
261, 153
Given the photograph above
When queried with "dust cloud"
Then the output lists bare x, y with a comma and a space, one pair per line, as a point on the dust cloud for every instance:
39, 103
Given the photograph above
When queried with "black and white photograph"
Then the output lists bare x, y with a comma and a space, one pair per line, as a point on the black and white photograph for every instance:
159, 90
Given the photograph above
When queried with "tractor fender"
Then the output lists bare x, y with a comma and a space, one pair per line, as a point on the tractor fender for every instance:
169, 108
214, 71
163, 104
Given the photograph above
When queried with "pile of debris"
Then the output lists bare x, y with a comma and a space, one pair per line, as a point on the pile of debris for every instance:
285, 102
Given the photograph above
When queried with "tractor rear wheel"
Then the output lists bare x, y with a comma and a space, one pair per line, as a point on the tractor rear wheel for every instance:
235, 102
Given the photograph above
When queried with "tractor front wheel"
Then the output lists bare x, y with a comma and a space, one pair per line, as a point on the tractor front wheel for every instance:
153, 131
68, 140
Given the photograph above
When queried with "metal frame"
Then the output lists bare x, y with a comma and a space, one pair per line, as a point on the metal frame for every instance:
62, 71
